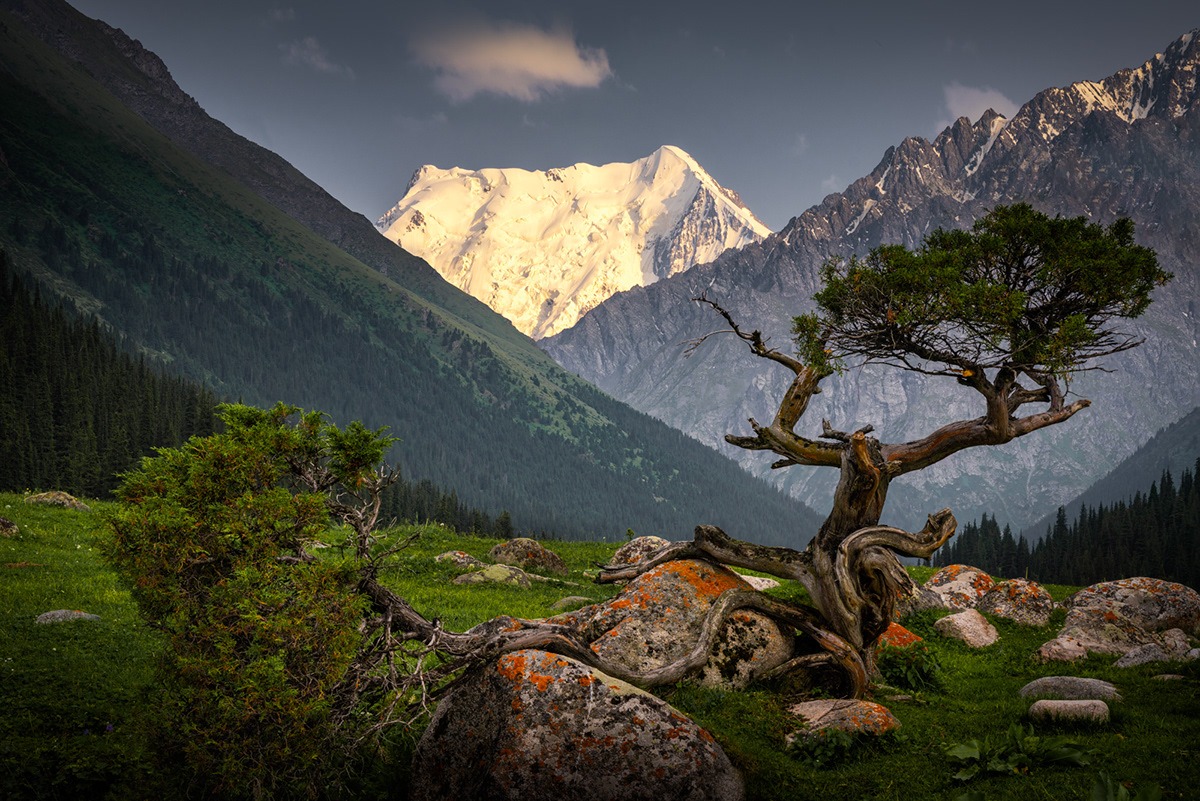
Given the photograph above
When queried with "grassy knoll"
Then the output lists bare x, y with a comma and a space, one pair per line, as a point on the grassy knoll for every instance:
72, 693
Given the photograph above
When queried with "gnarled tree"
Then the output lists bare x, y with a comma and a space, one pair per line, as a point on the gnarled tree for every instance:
1011, 309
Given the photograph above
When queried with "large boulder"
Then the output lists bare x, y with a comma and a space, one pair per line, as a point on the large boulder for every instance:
917, 599
1103, 630
534, 725
1080, 711
637, 549
1020, 600
528, 554
658, 618
960, 586
1152, 604
460, 559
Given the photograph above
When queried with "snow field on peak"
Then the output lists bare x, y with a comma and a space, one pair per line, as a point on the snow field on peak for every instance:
543, 248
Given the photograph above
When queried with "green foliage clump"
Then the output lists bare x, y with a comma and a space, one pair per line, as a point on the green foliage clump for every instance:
1017, 751
1106, 788
211, 538
914, 667
1019, 290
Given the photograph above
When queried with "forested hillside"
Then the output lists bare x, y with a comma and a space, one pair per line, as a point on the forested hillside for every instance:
202, 275
1153, 533
75, 409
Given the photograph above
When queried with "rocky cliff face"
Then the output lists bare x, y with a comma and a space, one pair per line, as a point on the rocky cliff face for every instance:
544, 248
1127, 146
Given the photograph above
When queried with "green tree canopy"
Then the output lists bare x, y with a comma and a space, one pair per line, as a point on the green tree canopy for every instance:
1019, 290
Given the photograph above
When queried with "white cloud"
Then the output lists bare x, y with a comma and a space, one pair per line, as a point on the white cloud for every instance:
518, 61
833, 184
308, 52
800, 145
282, 15
971, 102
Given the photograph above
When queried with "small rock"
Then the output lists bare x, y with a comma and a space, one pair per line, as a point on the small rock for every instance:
897, 636
1192, 654
1025, 602
528, 554
59, 498
496, 574
570, 602
1143, 655
968, 626
759, 583
1169, 677
1062, 649
1092, 711
65, 616
459, 559
8, 528
637, 549
856, 717
1176, 643
1070, 688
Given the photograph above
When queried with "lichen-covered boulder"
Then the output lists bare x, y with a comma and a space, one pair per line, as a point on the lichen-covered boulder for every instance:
856, 717
528, 554
637, 549
1103, 629
969, 626
658, 618
1152, 604
917, 599
8, 528
960, 586
460, 559
535, 725
1020, 600
59, 498
495, 574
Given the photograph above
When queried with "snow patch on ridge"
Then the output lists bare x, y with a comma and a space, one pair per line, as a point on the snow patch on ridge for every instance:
543, 248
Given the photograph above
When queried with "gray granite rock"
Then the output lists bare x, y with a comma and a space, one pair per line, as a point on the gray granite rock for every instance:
1089, 711
65, 616
1070, 688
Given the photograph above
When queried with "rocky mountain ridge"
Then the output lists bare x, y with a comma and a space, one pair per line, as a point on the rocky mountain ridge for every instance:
545, 247
1128, 145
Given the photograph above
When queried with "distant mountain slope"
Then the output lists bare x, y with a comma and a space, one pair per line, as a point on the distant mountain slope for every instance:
1174, 448
1125, 146
199, 272
543, 248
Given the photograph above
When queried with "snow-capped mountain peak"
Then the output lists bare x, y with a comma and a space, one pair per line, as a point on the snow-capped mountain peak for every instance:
544, 247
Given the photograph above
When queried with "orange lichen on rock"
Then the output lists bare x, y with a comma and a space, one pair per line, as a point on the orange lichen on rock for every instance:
898, 637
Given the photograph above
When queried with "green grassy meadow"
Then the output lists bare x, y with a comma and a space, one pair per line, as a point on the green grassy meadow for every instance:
73, 693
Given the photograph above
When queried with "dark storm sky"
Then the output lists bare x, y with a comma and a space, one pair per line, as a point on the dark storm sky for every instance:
782, 101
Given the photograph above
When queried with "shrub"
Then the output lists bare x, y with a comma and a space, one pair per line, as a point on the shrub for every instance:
211, 538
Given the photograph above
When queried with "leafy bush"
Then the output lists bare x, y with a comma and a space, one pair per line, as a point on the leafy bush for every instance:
211, 538
913, 667
1018, 751
1106, 788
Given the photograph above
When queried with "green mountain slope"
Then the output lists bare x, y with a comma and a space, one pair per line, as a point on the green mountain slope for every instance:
1173, 449
200, 272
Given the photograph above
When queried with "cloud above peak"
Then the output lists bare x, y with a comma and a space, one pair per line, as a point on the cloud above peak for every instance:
308, 52
523, 62
972, 101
